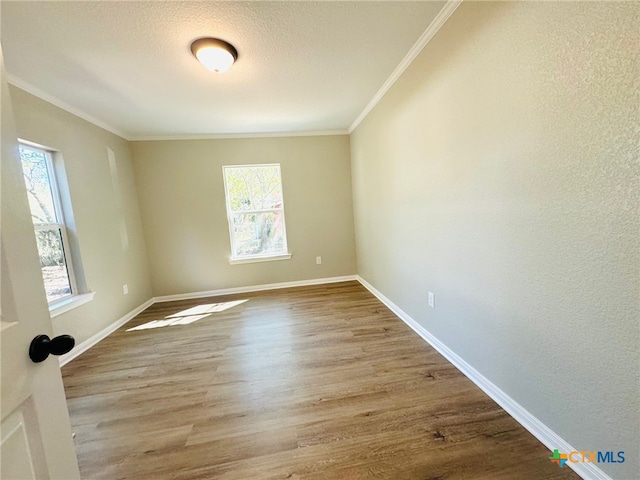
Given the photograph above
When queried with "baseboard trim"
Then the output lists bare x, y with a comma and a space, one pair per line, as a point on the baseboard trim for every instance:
253, 288
525, 418
101, 335
548, 437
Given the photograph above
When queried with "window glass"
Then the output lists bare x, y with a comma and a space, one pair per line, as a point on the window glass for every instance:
57, 282
255, 208
38, 183
48, 222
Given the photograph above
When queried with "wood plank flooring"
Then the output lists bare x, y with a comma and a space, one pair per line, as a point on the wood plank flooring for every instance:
319, 382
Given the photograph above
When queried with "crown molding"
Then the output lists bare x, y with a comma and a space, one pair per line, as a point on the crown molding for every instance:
36, 92
424, 39
224, 136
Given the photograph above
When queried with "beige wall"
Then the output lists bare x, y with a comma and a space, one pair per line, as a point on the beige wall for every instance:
181, 193
108, 262
501, 173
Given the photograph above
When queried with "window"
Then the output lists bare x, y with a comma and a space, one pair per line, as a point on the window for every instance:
48, 222
255, 210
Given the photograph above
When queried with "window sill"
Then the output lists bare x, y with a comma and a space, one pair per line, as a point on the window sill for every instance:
70, 303
270, 258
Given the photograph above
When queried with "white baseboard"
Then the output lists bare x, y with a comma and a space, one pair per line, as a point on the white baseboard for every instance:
538, 429
101, 335
253, 288
90, 342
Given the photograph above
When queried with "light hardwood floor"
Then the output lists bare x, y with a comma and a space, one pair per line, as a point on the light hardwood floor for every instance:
319, 382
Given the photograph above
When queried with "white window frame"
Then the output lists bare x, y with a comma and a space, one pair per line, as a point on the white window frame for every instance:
233, 260
74, 298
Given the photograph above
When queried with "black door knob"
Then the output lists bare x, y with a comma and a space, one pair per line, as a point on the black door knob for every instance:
42, 346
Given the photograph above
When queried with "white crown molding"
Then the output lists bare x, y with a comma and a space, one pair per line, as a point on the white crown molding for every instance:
35, 91
424, 39
225, 136
547, 437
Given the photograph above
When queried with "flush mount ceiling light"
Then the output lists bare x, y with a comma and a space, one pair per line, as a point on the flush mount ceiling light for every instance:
214, 54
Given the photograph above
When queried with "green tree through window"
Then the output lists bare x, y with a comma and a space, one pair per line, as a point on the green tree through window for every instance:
48, 222
255, 209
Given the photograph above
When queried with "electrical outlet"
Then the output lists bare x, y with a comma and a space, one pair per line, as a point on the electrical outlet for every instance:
318, 260
125, 289
432, 300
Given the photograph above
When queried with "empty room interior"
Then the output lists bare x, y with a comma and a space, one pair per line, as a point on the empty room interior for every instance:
320, 240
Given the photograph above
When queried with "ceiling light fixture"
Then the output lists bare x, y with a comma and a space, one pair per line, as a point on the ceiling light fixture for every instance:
214, 54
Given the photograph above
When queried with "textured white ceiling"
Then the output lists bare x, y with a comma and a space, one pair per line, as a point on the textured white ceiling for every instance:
302, 66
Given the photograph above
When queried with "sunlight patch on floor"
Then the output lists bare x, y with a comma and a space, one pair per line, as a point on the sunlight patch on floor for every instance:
208, 308
189, 315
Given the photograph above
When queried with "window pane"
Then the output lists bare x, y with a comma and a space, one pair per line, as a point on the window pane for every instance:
54, 266
254, 188
258, 233
36, 178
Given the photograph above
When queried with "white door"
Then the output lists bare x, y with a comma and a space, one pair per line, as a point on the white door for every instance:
35, 430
